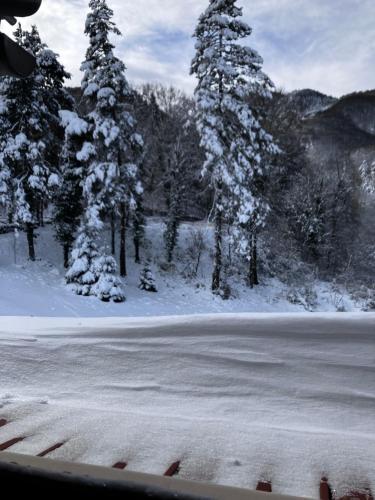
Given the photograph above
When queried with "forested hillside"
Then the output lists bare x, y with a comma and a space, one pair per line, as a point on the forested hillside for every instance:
283, 182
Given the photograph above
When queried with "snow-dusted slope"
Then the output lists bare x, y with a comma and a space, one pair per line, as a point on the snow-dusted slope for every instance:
236, 398
38, 289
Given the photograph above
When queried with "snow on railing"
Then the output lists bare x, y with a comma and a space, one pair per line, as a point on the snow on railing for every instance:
326, 490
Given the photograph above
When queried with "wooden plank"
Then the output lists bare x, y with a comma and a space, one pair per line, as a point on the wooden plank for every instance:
120, 465
265, 486
325, 490
173, 470
51, 449
10, 443
3, 422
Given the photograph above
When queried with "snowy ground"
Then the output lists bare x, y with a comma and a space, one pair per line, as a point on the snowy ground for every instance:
38, 289
237, 398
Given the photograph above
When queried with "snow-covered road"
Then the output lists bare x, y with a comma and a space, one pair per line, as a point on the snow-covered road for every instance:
237, 398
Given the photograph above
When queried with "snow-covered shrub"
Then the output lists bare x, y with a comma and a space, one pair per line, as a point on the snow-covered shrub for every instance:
305, 296
147, 280
370, 304
108, 286
369, 301
337, 298
225, 291
82, 274
167, 267
93, 274
193, 253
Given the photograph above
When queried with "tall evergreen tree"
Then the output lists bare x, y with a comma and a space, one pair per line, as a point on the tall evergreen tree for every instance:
56, 98
105, 87
26, 149
232, 135
112, 173
91, 272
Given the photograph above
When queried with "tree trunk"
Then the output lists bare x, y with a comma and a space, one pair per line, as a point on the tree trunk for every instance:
123, 270
30, 241
171, 245
66, 255
113, 233
253, 264
42, 213
218, 259
137, 248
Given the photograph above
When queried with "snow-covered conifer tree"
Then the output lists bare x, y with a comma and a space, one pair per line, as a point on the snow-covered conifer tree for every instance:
109, 286
91, 272
82, 275
56, 98
25, 152
232, 135
147, 280
113, 172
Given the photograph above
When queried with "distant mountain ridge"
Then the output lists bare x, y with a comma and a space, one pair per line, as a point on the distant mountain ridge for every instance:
351, 114
338, 133
307, 102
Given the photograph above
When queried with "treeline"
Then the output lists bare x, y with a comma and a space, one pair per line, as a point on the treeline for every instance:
112, 155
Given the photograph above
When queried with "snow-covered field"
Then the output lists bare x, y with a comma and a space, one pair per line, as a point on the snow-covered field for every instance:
38, 289
236, 398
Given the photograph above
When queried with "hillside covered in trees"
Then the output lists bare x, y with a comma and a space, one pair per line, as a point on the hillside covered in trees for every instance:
281, 186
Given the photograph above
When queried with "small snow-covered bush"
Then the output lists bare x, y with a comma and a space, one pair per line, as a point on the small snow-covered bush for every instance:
147, 280
167, 267
305, 296
108, 286
225, 291
337, 298
369, 300
370, 304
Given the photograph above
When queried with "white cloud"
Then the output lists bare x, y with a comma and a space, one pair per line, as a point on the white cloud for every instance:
327, 45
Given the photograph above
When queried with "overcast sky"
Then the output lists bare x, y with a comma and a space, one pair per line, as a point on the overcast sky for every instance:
328, 45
